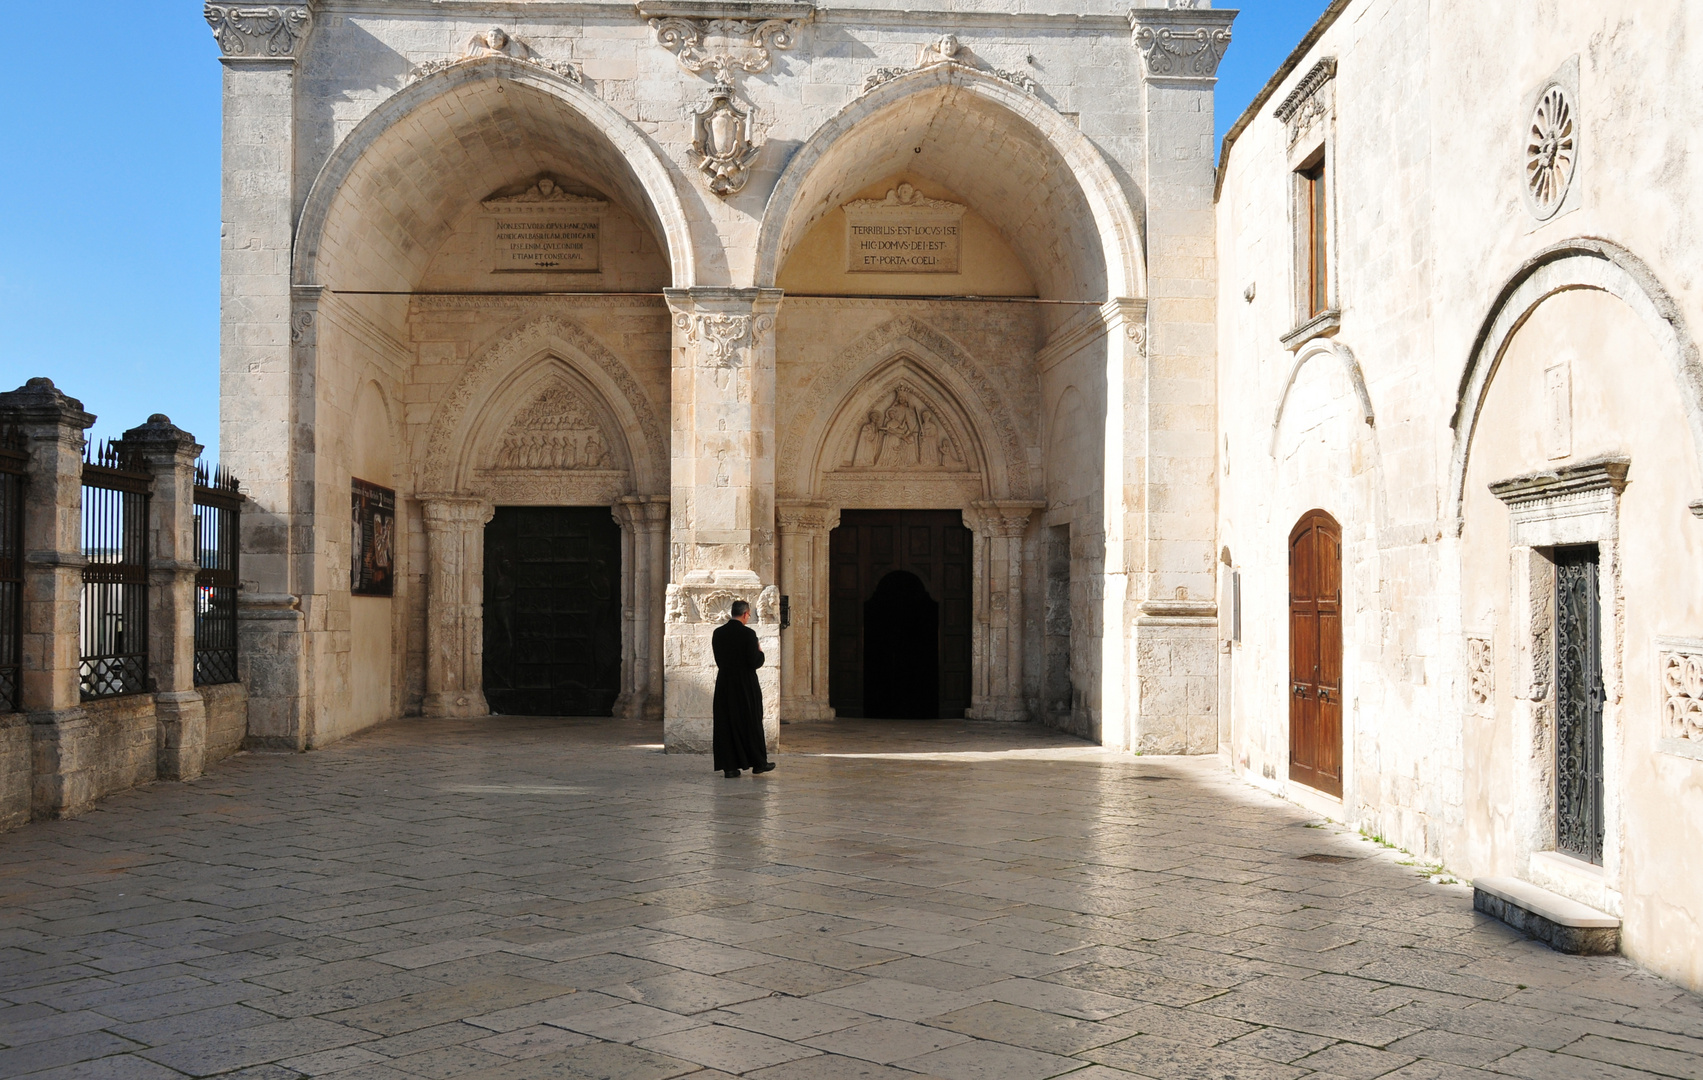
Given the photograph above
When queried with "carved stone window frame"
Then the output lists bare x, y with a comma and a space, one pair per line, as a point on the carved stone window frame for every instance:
1308, 116
1573, 504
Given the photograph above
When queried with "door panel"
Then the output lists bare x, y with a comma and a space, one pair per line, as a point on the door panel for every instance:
869, 545
1578, 704
1315, 653
552, 611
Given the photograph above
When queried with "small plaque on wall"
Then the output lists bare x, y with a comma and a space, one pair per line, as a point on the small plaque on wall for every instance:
545, 229
905, 233
372, 539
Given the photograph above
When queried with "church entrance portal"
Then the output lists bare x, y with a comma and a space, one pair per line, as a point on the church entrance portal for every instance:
552, 611
899, 614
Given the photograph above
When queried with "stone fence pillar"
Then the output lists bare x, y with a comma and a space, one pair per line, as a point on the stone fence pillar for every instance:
168, 453
455, 605
62, 737
804, 529
1000, 527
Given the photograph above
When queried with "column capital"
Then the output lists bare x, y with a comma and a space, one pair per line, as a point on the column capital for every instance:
455, 511
1003, 517
641, 511
1180, 46
806, 516
259, 32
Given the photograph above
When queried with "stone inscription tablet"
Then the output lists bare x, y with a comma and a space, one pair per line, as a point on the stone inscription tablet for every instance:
905, 233
545, 229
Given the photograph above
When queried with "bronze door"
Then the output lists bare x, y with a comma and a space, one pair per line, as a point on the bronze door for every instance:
899, 614
1315, 653
552, 611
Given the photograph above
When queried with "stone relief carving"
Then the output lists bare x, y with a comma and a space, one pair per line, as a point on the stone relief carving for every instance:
861, 356
1551, 151
506, 354
1481, 672
712, 603
498, 42
904, 195
721, 337
722, 47
1179, 51
1682, 691
545, 191
1309, 103
907, 434
273, 30
723, 143
557, 431
947, 50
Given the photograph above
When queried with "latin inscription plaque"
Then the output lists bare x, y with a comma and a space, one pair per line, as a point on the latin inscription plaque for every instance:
905, 233
545, 230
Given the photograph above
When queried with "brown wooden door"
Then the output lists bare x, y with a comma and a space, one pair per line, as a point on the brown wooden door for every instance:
1315, 653
866, 550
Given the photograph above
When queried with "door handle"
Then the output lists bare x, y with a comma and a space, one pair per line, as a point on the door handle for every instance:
1324, 694
1300, 691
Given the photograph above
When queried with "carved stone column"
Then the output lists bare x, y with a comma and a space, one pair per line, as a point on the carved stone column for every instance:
804, 529
266, 360
1000, 527
644, 533
168, 452
722, 540
62, 737
455, 605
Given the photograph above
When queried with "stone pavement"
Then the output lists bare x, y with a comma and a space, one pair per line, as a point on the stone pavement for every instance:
520, 899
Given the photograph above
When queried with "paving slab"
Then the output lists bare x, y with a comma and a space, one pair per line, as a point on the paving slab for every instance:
528, 899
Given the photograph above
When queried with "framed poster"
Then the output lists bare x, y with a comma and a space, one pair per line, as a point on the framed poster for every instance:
372, 539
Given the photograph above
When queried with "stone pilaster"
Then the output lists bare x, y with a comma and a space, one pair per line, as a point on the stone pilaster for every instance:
264, 425
804, 529
168, 453
62, 737
1000, 528
455, 605
644, 532
1173, 659
722, 541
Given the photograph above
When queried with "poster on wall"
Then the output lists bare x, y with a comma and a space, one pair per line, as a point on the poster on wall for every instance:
372, 539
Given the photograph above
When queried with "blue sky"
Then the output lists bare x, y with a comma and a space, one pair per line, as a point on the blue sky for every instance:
109, 237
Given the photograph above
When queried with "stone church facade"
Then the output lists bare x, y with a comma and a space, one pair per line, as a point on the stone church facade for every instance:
549, 329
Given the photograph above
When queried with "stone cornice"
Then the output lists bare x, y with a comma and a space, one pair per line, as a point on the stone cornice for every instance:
1580, 478
1323, 71
1180, 43
259, 32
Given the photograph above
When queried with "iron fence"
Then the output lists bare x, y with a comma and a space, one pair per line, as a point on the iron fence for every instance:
218, 511
12, 461
115, 575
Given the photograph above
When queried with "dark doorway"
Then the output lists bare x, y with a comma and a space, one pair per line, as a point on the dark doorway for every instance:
552, 611
901, 658
1315, 653
1578, 704
899, 614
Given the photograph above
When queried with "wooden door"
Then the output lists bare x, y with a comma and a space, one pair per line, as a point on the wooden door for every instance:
1315, 653
552, 611
867, 547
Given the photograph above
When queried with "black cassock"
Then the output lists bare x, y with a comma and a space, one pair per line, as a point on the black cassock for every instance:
739, 742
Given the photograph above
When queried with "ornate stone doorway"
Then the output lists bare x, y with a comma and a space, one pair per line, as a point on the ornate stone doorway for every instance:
1315, 653
552, 611
868, 553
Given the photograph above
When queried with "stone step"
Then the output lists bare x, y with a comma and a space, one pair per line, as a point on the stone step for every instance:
1567, 925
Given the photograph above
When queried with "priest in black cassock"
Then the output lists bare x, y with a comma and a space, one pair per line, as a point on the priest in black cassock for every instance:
739, 742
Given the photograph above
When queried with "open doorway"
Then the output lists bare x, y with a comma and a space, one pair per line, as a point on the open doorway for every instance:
901, 656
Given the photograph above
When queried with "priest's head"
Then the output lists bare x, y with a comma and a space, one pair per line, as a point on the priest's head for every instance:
741, 611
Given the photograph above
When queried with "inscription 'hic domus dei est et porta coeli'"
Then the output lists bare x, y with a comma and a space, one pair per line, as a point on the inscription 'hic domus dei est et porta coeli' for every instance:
1362, 450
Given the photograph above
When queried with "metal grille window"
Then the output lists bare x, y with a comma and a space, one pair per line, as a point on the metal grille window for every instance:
12, 460
218, 506
115, 575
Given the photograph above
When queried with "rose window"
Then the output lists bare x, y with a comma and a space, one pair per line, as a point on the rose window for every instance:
1551, 151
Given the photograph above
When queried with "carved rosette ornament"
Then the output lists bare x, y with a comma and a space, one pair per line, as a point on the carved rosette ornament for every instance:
1180, 43
498, 42
264, 32
1552, 152
947, 50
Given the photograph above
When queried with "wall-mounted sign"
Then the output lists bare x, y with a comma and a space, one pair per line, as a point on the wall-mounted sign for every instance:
545, 229
905, 233
372, 539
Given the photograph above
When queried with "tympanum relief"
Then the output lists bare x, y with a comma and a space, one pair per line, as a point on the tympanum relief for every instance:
558, 432
907, 434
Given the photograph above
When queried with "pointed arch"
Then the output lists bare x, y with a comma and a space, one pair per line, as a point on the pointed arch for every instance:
1313, 349
522, 362
817, 179
1581, 263
935, 361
